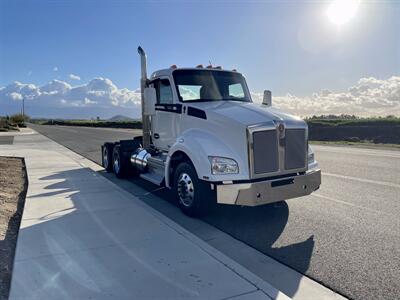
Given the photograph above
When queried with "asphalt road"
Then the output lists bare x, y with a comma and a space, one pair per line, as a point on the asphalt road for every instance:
346, 235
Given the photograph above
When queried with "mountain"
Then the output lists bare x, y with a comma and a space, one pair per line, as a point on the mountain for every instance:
119, 118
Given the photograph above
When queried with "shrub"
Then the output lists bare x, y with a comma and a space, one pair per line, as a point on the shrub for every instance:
3, 122
19, 119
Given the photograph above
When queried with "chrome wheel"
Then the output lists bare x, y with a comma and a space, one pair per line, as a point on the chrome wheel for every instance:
105, 158
185, 189
116, 163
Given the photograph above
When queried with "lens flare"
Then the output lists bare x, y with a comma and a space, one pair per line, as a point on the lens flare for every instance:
340, 12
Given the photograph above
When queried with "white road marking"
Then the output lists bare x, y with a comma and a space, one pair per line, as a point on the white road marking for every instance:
384, 183
349, 204
332, 199
367, 152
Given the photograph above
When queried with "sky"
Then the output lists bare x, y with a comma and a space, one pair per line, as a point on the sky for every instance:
78, 58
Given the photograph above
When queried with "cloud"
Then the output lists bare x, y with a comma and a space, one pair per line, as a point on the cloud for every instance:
368, 97
15, 96
100, 96
55, 69
54, 87
99, 91
74, 77
189, 93
17, 91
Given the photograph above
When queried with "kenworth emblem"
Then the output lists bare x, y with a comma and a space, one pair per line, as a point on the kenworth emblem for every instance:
280, 126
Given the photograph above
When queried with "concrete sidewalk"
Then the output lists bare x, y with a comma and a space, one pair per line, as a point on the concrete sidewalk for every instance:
81, 236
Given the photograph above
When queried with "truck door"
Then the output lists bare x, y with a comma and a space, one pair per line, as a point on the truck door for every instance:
166, 120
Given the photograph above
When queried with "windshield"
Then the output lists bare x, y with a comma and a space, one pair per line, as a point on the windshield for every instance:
210, 85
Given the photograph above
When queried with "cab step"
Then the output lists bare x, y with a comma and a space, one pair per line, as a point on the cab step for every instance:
153, 178
156, 169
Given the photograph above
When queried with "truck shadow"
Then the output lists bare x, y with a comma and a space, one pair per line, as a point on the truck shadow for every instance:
259, 227
81, 240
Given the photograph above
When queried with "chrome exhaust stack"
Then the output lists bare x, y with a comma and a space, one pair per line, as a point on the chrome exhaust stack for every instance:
143, 84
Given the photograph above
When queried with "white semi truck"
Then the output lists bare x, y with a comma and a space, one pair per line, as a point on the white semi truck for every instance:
205, 139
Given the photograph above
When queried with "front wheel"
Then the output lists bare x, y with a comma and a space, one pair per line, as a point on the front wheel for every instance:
193, 195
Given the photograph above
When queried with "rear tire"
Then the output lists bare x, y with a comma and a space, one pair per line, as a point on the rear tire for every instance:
119, 166
106, 156
193, 195
126, 149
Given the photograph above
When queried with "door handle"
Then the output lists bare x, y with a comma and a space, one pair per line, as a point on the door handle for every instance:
156, 136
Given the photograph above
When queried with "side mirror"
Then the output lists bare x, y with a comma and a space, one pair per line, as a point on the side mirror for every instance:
267, 100
150, 100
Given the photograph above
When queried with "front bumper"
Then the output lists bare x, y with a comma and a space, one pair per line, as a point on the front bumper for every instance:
269, 191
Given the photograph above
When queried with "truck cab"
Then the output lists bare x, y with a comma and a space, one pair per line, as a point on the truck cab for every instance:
206, 139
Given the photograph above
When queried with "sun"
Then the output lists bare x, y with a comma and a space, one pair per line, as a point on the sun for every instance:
342, 11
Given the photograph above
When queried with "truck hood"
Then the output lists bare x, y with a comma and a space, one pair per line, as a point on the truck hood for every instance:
246, 113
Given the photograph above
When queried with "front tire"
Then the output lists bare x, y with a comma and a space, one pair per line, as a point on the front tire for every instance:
192, 194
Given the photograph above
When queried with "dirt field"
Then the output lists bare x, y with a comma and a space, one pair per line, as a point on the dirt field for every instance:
13, 186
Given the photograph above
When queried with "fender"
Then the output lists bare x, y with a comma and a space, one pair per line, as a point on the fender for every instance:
198, 145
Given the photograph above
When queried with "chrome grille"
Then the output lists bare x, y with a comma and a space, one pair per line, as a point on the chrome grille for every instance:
295, 149
265, 151
271, 153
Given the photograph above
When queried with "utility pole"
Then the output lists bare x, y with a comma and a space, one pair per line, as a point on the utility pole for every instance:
23, 109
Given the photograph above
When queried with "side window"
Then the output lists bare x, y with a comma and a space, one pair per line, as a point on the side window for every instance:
236, 90
164, 92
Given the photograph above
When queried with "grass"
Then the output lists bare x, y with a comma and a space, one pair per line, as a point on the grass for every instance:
354, 131
90, 123
364, 144
356, 122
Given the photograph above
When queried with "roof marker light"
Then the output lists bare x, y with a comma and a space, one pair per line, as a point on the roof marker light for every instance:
218, 68
173, 67
234, 70
199, 66
209, 67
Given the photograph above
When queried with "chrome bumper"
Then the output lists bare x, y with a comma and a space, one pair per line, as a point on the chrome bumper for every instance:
269, 191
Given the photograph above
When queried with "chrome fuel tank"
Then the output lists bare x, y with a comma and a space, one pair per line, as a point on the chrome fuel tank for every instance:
139, 159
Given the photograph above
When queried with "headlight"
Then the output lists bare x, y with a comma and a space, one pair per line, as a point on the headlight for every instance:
222, 165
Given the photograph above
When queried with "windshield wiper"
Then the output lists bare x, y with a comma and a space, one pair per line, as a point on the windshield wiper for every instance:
237, 99
200, 100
